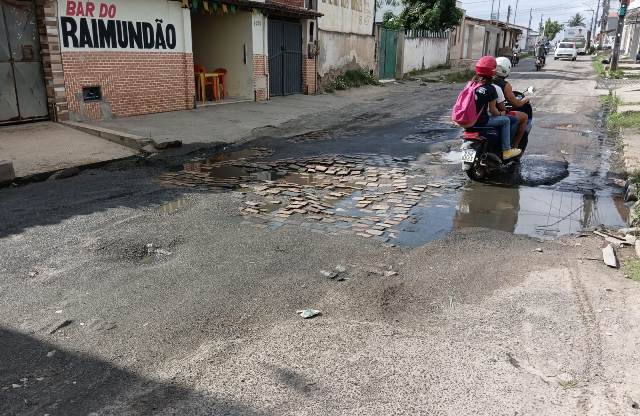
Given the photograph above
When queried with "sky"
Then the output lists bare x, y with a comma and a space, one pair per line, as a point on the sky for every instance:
560, 10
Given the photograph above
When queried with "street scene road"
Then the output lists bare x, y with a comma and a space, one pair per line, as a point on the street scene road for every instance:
174, 284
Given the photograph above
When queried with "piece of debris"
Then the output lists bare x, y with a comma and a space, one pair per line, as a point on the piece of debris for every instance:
539, 250
329, 273
308, 313
609, 256
630, 239
341, 269
618, 242
33, 273
163, 252
58, 326
51, 353
390, 273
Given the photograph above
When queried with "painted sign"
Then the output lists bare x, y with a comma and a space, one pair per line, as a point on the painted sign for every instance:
346, 16
125, 25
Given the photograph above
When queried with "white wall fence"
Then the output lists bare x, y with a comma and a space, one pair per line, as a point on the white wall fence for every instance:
421, 50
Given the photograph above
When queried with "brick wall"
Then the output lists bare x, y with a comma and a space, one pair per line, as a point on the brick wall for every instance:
132, 82
260, 80
309, 75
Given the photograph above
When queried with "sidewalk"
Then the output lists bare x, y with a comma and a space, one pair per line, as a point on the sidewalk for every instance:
234, 123
45, 147
630, 96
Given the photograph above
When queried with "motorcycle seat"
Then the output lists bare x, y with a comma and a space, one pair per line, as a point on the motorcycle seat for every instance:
473, 133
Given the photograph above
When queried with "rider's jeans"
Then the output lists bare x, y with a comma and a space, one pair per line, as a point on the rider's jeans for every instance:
503, 125
515, 122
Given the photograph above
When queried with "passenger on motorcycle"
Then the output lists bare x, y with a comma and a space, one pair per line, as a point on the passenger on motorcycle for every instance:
519, 119
486, 98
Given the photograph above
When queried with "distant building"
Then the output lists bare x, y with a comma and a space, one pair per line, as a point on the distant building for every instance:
477, 37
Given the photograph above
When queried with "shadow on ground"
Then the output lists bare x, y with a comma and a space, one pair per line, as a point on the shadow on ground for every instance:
38, 378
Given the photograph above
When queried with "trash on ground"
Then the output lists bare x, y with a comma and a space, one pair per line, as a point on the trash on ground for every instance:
51, 353
329, 273
341, 269
539, 250
390, 273
163, 252
308, 313
609, 256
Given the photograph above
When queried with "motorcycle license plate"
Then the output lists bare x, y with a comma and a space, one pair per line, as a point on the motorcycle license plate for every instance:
469, 156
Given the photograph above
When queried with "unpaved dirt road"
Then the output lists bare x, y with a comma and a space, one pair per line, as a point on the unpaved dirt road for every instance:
122, 295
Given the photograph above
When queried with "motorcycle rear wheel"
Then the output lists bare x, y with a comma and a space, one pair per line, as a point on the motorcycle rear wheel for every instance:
477, 173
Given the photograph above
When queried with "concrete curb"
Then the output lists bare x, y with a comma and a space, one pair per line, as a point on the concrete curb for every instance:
62, 173
125, 139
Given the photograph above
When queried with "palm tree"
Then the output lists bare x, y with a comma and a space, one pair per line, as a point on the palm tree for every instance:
577, 20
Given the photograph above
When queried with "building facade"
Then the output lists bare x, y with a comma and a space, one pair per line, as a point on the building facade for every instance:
89, 60
345, 36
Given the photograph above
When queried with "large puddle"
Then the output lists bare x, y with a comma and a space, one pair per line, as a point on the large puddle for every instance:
398, 202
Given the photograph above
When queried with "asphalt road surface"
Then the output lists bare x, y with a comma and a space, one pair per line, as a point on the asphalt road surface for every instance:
123, 293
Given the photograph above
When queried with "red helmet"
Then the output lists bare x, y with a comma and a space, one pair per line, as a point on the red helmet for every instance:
486, 66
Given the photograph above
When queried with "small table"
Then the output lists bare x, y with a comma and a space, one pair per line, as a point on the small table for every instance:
216, 85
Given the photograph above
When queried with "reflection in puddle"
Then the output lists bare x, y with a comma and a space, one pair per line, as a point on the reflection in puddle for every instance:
538, 212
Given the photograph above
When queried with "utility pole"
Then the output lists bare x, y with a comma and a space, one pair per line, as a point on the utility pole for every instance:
616, 45
526, 42
595, 23
508, 14
499, 9
603, 21
541, 26
516, 12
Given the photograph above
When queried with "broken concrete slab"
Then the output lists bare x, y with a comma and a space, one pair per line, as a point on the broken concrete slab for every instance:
7, 173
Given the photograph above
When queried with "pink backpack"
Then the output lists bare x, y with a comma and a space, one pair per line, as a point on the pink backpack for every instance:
464, 111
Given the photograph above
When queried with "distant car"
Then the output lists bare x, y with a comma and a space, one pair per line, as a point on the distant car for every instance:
566, 50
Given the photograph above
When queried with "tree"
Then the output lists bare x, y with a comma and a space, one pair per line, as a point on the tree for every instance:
434, 15
550, 29
391, 21
577, 20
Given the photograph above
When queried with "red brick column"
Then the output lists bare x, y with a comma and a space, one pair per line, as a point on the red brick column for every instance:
47, 18
309, 75
260, 77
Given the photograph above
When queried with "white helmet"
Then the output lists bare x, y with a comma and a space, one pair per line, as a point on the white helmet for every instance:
503, 68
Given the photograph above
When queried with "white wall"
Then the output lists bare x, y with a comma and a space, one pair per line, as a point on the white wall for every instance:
424, 53
226, 42
346, 16
75, 21
339, 50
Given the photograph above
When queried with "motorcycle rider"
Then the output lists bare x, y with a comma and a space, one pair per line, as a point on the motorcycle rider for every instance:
519, 119
485, 99
541, 52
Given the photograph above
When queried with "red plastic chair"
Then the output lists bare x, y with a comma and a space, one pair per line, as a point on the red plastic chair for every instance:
222, 72
199, 69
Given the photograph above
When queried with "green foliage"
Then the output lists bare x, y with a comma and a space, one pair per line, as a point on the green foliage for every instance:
391, 21
610, 102
352, 78
577, 20
550, 28
434, 15
633, 269
628, 119
462, 76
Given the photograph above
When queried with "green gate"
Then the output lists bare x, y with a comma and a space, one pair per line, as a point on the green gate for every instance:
387, 54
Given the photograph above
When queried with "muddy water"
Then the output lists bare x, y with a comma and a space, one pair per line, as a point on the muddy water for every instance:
550, 195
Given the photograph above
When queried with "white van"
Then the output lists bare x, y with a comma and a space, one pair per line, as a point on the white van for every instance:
566, 50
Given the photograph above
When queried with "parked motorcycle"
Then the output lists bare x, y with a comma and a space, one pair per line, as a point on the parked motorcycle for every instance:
482, 149
539, 63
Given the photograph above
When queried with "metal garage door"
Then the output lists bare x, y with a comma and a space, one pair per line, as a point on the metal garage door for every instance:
285, 57
22, 90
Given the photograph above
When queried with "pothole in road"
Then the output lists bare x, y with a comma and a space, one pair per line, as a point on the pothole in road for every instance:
395, 201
